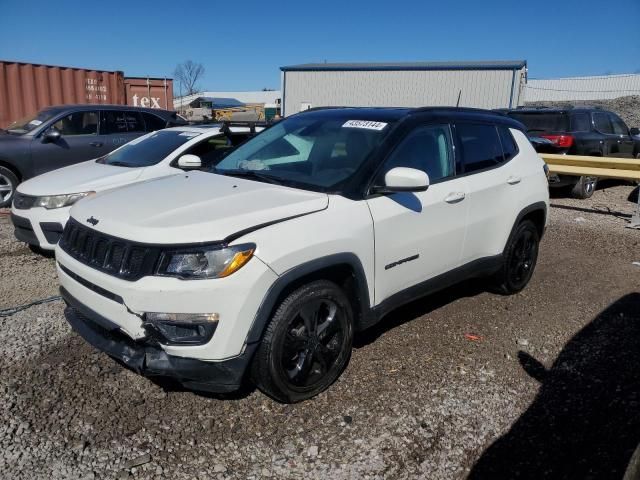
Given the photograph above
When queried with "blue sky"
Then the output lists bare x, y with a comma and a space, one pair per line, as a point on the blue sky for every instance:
243, 43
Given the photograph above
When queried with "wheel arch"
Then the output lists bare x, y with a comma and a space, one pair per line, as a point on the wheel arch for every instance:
537, 213
344, 269
4, 163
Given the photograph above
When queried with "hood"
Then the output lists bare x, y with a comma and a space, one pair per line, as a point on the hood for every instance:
81, 177
194, 207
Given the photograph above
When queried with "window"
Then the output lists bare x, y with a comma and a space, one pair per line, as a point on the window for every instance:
602, 122
114, 122
153, 122
551, 122
78, 123
427, 148
213, 149
509, 146
580, 122
134, 122
480, 146
619, 127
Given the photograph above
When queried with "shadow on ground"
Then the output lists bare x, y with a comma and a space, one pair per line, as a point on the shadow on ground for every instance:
585, 420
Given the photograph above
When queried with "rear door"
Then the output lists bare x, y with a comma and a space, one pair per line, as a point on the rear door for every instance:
493, 186
419, 235
79, 141
120, 127
621, 131
603, 125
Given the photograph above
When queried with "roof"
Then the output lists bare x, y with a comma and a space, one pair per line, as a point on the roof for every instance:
261, 96
399, 66
93, 106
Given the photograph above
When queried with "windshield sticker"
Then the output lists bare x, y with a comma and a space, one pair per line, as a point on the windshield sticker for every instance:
189, 134
35, 122
366, 124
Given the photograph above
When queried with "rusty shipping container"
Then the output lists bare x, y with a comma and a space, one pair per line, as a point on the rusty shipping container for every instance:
26, 88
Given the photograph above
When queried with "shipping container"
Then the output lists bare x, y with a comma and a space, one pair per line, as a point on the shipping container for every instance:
26, 88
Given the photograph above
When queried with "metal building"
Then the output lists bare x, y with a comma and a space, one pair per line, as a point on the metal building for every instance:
486, 84
601, 87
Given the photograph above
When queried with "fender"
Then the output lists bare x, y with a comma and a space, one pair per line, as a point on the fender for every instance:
534, 207
263, 315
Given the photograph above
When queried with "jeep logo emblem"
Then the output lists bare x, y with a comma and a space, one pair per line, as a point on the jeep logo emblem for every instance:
92, 221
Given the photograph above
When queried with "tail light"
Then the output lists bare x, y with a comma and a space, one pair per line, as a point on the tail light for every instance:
564, 141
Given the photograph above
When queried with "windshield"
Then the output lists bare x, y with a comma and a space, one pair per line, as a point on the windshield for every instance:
308, 151
148, 150
543, 122
25, 125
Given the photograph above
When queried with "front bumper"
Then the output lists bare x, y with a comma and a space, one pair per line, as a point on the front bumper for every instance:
38, 226
147, 358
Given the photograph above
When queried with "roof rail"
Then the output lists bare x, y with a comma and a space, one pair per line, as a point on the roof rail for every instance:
226, 124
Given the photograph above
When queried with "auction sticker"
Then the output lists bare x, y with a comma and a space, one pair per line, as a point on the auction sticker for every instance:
366, 124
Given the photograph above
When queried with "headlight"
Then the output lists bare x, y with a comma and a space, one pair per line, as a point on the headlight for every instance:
59, 201
207, 262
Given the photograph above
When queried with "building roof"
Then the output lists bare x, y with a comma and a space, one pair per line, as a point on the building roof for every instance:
267, 96
399, 66
219, 102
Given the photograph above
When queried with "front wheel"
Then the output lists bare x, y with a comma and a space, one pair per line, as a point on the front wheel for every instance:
306, 345
519, 259
8, 185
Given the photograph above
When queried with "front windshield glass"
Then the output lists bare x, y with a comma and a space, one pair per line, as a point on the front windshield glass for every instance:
27, 124
316, 152
148, 150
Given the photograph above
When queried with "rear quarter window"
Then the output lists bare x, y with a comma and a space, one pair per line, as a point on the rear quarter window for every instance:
509, 145
580, 122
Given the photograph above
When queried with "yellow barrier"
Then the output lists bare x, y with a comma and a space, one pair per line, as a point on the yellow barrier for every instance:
602, 167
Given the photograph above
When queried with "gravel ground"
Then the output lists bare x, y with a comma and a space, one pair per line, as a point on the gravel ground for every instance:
464, 383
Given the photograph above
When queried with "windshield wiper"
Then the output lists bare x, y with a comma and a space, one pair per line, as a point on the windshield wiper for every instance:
249, 174
119, 164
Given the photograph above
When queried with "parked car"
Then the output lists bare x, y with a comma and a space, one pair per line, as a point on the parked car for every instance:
41, 205
59, 136
579, 131
267, 268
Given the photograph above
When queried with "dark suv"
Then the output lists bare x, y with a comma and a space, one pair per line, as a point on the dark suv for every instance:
59, 136
580, 131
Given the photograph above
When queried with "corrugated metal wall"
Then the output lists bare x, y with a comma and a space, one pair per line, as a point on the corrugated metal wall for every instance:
26, 88
583, 88
149, 92
408, 88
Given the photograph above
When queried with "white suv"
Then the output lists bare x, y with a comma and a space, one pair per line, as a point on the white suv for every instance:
266, 266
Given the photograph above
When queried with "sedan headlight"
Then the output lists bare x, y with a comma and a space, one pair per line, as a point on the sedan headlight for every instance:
58, 201
205, 262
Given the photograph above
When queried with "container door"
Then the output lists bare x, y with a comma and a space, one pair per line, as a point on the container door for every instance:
79, 141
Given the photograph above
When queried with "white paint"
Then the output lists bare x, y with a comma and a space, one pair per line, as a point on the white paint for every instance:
365, 124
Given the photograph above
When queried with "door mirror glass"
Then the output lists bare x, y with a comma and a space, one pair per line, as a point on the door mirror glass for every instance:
404, 179
634, 131
189, 162
52, 135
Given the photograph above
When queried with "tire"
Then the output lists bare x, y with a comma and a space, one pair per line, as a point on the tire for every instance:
290, 365
584, 187
8, 184
520, 257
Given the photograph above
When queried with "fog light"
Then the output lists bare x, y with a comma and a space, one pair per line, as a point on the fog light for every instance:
181, 328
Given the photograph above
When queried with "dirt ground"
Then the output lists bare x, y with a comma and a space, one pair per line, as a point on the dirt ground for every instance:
465, 383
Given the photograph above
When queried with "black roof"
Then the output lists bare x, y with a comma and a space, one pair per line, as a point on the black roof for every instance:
392, 114
104, 106
478, 65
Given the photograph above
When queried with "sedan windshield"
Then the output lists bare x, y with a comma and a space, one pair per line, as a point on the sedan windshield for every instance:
25, 125
148, 150
316, 152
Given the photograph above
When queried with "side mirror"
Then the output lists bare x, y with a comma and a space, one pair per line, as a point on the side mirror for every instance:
403, 179
189, 162
52, 135
634, 131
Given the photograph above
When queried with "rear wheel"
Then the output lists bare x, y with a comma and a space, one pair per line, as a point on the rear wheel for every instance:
584, 187
519, 259
306, 345
8, 185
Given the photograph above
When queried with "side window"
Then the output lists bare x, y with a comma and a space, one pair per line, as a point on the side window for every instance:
211, 150
480, 146
509, 145
619, 127
78, 123
580, 122
153, 122
427, 148
114, 122
134, 122
602, 122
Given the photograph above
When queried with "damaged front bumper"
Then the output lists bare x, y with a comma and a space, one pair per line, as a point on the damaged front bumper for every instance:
147, 358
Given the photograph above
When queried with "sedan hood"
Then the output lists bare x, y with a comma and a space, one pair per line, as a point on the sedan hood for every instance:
194, 207
82, 177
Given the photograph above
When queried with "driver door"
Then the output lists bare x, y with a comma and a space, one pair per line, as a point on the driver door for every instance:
419, 235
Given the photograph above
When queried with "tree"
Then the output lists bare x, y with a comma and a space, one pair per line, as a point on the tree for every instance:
187, 75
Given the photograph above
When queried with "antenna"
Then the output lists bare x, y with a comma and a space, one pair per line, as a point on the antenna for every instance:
459, 95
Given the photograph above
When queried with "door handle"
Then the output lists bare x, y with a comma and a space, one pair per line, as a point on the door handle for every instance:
514, 180
454, 197
96, 144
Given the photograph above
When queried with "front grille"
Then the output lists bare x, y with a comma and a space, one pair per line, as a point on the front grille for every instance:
23, 202
121, 258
